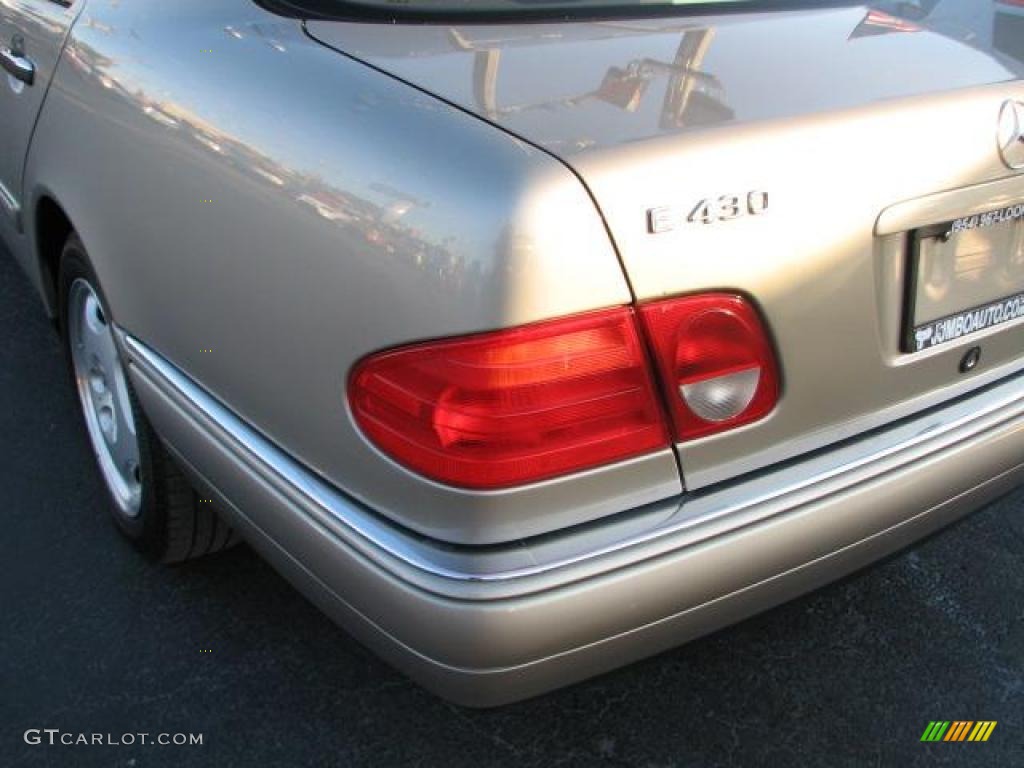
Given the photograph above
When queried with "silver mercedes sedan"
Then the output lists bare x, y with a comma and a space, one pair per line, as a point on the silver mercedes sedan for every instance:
529, 338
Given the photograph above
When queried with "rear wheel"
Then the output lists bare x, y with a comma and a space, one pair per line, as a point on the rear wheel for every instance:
152, 502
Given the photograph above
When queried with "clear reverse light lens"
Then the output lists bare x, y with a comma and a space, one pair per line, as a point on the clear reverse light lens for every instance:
722, 398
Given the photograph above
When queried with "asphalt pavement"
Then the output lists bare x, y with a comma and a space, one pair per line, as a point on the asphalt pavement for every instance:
96, 640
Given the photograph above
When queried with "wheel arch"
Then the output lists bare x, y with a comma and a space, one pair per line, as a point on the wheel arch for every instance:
51, 226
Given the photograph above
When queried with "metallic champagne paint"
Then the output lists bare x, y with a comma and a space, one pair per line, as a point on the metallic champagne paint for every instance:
295, 196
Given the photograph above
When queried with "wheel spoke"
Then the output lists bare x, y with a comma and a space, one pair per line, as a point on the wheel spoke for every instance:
106, 353
92, 324
125, 448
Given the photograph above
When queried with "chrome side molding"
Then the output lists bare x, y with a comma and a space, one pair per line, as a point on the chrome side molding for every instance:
532, 565
11, 208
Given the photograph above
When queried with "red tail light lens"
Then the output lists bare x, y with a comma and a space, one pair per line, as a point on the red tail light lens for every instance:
513, 407
716, 365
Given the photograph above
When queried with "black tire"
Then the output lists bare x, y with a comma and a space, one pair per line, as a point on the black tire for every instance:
172, 524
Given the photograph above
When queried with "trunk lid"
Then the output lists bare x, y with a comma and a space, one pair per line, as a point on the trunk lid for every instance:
853, 125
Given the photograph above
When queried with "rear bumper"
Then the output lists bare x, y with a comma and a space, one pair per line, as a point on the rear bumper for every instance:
487, 626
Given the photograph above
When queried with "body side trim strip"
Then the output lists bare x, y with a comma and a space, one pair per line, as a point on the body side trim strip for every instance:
11, 207
831, 472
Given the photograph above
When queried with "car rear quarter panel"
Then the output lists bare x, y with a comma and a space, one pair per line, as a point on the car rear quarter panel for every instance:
264, 212
829, 115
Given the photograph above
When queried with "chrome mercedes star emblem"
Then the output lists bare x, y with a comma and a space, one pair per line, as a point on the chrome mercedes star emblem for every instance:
1011, 134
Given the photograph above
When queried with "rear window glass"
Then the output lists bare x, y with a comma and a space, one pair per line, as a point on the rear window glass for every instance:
515, 10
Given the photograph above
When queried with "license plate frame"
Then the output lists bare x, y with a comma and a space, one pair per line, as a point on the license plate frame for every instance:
947, 329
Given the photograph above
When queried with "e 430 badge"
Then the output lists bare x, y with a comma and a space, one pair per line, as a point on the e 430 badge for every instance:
710, 210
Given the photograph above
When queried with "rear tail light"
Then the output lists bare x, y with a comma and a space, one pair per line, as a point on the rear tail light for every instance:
716, 365
516, 406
